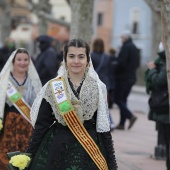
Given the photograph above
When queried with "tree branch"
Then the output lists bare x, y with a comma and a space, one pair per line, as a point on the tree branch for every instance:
68, 1
52, 19
153, 4
38, 10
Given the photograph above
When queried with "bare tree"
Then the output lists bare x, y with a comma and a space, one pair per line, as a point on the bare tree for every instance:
156, 28
165, 15
81, 23
42, 10
5, 19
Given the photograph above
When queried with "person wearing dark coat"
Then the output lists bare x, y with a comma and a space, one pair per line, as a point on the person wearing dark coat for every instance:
46, 62
156, 79
5, 51
113, 65
128, 60
101, 64
96, 59
60, 143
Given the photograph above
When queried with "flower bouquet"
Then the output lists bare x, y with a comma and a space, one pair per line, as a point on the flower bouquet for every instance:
18, 160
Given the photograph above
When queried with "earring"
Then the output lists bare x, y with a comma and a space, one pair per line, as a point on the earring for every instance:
87, 69
88, 65
66, 66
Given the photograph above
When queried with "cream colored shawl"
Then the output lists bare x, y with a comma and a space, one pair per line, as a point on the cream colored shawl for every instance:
4, 77
93, 96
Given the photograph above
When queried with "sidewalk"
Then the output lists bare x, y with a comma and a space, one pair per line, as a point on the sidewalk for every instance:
135, 147
138, 99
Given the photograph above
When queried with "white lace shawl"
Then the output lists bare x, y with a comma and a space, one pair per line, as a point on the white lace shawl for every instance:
93, 96
4, 77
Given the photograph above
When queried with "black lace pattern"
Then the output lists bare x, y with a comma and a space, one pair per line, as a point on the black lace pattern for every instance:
110, 152
60, 150
57, 148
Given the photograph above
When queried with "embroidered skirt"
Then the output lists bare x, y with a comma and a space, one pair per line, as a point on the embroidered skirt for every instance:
15, 136
60, 150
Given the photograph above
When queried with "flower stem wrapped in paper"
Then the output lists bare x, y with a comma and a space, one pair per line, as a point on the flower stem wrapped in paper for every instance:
18, 161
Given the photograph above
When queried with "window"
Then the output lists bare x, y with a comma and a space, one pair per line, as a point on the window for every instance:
100, 19
135, 21
62, 18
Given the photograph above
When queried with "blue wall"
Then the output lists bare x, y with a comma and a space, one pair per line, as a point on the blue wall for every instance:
122, 20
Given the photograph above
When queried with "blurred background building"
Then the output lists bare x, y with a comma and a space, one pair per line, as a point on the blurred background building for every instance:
103, 20
136, 17
20, 22
110, 18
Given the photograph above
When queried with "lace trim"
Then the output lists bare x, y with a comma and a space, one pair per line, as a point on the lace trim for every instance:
110, 152
36, 105
93, 96
103, 124
85, 107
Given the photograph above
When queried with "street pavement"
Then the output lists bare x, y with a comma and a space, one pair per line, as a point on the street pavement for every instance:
134, 148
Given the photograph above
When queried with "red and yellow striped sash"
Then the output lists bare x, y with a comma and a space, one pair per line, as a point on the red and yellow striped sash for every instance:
73, 122
18, 101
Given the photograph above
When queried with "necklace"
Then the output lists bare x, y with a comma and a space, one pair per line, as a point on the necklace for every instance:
21, 88
75, 88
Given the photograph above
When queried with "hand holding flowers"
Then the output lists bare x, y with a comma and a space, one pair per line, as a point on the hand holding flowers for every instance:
18, 160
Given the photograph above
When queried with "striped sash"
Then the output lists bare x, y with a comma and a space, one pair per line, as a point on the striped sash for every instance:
66, 110
18, 101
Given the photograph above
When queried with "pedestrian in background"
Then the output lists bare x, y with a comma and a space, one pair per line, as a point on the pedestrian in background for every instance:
79, 136
101, 64
157, 87
60, 54
46, 63
5, 51
19, 84
128, 62
113, 65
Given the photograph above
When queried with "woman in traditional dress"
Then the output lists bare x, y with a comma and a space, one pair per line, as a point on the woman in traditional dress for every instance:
19, 84
70, 117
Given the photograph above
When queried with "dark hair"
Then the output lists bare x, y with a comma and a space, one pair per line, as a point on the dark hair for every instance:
112, 51
20, 50
79, 43
98, 45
